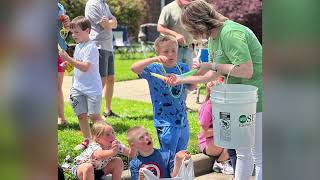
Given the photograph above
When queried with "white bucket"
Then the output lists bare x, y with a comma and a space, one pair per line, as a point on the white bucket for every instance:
234, 111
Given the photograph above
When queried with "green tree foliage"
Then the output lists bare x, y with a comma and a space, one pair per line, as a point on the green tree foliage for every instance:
74, 8
129, 13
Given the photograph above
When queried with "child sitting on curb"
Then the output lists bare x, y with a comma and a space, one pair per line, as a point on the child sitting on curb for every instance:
205, 136
163, 164
101, 155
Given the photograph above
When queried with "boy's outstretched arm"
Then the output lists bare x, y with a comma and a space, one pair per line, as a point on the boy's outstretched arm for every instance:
82, 66
139, 66
178, 160
130, 152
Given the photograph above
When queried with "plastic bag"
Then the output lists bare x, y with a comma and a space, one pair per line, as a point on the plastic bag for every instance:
186, 172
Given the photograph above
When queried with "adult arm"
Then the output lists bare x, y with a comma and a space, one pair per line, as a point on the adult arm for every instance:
164, 30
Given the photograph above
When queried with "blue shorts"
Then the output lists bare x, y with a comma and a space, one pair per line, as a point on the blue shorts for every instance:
173, 138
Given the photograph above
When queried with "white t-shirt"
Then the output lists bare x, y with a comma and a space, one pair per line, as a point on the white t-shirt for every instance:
89, 83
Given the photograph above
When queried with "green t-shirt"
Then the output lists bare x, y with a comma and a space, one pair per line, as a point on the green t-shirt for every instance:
236, 44
170, 18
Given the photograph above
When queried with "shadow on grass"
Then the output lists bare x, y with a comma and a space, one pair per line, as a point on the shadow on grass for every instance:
114, 122
120, 127
138, 117
74, 126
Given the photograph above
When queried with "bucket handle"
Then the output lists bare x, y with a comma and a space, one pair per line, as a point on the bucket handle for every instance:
226, 82
232, 67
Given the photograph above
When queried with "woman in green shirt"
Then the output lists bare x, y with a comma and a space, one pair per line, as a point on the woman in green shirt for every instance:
232, 48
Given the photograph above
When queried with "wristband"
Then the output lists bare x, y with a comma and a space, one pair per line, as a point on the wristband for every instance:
214, 66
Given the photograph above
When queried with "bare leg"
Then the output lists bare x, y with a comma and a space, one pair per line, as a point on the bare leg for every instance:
213, 150
95, 117
115, 167
84, 125
224, 156
108, 92
61, 118
85, 171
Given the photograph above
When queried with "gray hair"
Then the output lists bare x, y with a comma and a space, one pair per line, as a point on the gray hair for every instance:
200, 17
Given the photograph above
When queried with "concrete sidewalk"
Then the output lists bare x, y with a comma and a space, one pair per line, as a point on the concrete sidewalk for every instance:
134, 90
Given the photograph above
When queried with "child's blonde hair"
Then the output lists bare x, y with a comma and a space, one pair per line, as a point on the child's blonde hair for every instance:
132, 133
99, 128
164, 38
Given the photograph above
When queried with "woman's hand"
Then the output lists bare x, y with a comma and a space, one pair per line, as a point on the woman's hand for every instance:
173, 80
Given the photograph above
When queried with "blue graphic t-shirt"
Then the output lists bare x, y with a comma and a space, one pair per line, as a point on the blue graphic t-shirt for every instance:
159, 162
169, 104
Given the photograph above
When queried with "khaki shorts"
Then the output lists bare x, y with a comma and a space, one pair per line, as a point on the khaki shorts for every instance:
82, 103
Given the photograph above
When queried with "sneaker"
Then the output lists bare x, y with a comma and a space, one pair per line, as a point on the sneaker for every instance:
83, 145
110, 114
223, 167
62, 122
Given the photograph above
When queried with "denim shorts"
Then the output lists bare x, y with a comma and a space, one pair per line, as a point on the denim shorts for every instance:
106, 63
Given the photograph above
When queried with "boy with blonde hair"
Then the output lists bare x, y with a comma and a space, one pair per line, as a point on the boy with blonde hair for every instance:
169, 102
163, 164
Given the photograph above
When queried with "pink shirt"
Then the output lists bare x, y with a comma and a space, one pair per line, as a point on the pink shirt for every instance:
205, 121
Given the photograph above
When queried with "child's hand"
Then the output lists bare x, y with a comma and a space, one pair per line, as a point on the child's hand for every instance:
161, 59
65, 20
141, 175
183, 155
64, 55
64, 64
115, 147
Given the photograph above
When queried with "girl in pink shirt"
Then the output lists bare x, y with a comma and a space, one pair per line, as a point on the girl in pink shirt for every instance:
205, 136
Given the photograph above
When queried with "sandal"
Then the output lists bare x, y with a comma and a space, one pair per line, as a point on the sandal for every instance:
110, 114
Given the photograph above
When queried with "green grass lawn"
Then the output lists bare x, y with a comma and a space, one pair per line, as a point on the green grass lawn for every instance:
132, 113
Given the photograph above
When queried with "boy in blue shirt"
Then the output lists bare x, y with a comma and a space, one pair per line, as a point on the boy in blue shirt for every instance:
163, 164
169, 102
